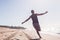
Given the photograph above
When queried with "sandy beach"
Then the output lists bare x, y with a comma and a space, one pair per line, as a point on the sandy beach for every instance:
23, 34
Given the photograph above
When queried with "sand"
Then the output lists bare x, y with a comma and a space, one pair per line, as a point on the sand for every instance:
23, 34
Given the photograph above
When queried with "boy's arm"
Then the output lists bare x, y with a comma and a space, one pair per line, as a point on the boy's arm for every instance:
42, 13
26, 20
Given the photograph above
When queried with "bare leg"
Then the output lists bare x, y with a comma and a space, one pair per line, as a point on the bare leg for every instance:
38, 34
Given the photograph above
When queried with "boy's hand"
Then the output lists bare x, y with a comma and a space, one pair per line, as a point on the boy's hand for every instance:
46, 12
22, 22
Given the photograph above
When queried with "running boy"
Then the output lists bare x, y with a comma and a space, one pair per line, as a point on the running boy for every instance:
35, 21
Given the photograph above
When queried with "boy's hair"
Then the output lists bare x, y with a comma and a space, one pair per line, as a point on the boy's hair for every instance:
32, 11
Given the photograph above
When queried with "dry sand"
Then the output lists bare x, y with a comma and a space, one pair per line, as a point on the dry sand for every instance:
22, 34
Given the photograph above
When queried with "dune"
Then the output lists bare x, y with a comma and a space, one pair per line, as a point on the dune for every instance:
7, 33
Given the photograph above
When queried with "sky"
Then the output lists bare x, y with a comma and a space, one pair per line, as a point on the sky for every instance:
14, 12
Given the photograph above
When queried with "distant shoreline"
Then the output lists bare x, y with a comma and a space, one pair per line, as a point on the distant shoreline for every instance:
12, 27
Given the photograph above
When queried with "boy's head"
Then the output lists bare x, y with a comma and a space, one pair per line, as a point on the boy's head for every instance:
32, 11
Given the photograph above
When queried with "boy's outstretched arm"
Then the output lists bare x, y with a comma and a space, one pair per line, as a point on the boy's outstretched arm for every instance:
42, 13
26, 20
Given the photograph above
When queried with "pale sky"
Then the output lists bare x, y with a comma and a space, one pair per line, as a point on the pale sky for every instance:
13, 12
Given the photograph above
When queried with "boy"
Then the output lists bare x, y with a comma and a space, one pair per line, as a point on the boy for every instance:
35, 21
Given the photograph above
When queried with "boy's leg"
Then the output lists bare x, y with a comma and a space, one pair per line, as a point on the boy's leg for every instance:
38, 34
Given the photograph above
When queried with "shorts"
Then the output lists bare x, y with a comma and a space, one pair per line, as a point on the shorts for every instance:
37, 26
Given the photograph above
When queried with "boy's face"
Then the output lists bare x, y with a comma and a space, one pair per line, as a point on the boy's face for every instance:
32, 11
